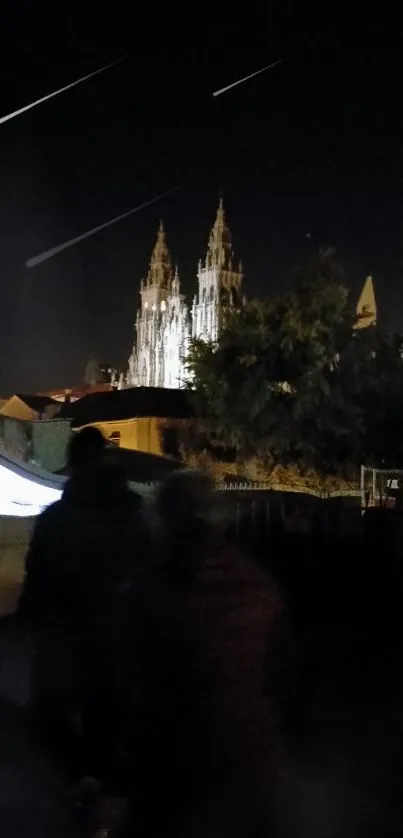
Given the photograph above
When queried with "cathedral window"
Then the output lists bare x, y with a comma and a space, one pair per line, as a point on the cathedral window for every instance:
163, 305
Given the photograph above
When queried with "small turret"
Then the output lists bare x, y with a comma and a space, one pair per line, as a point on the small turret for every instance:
366, 306
93, 374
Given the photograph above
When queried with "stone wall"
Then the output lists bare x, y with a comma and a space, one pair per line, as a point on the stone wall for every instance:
14, 437
43, 442
14, 539
50, 438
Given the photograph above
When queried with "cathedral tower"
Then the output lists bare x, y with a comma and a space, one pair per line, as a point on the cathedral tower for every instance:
219, 282
162, 330
146, 361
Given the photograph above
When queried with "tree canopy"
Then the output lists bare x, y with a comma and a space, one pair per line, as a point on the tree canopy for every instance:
290, 379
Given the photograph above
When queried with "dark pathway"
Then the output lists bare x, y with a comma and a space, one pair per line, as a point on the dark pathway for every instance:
344, 724
34, 800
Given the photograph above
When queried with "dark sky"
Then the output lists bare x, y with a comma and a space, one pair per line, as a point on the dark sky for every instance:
314, 146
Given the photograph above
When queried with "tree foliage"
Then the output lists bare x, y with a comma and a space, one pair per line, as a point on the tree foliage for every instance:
290, 378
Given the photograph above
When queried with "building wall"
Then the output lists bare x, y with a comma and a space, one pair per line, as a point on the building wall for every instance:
49, 443
14, 437
206, 305
43, 442
15, 534
151, 435
174, 342
161, 345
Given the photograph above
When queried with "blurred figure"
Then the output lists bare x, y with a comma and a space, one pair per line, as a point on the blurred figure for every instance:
200, 719
82, 548
86, 449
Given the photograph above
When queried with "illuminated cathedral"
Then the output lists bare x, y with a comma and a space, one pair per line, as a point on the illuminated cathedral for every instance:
165, 324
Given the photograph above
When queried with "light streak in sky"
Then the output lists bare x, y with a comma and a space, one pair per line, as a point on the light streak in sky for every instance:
56, 92
246, 78
47, 254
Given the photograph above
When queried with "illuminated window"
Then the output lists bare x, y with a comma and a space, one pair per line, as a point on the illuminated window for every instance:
145, 305
114, 438
163, 305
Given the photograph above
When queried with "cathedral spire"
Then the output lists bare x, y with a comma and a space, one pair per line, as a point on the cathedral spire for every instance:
219, 252
160, 273
176, 282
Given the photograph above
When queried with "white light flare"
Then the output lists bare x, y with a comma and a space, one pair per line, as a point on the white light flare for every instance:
23, 497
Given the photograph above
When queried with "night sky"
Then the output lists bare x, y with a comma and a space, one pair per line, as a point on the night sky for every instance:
313, 146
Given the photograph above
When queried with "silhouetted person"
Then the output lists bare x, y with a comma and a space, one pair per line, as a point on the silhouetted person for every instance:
86, 449
82, 548
200, 721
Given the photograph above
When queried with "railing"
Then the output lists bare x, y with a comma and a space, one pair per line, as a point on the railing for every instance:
281, 487
248, 486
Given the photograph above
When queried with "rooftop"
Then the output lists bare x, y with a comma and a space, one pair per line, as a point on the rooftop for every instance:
75, 392
37, 403
128, 404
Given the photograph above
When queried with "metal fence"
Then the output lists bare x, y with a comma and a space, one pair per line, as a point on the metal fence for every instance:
280, 487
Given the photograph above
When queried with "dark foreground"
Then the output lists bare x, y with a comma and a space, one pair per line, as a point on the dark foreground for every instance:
34, 800
344, 723
341, 704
